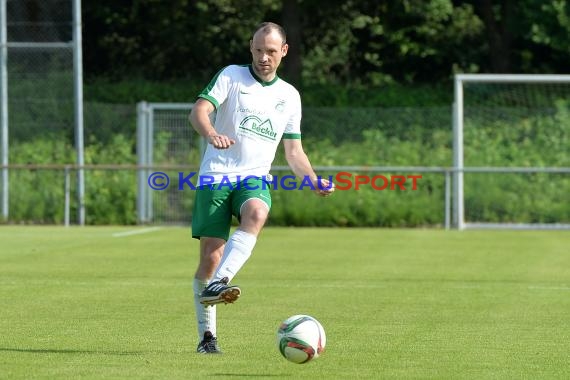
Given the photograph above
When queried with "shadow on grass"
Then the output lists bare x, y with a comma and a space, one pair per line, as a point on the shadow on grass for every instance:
64, 351
247, 375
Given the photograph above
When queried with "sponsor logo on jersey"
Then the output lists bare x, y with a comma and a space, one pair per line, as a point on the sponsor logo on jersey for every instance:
254, 126
280, 106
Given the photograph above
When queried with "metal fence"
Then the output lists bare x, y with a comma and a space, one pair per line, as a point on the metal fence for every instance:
41, 80
165, 138
526, 118
165, 211
372, 141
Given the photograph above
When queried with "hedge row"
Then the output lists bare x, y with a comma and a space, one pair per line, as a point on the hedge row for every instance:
38, 196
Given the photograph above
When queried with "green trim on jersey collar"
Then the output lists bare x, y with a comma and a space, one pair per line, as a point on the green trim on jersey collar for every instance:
263, 83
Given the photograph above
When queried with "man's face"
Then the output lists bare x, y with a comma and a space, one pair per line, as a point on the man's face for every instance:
267, 49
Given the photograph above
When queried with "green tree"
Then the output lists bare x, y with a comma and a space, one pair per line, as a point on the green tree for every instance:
379, 42
344, 42
529, 36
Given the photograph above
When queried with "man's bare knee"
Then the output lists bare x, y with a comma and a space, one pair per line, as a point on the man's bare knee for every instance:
253, 216
257, 215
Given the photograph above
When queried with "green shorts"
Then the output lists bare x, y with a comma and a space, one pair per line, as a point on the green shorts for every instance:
214, 206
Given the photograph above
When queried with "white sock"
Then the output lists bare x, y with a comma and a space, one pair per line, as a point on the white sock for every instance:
205, 316
237, 251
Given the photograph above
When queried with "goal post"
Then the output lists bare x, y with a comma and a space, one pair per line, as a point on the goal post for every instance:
510, 151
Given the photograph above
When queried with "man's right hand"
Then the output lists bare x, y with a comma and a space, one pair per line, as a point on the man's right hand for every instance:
220, 141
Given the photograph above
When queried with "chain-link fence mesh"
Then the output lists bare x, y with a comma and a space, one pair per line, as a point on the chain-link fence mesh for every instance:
40, 71
39, 20
42, 127
333, 138
175, 143
40, 97
524, 124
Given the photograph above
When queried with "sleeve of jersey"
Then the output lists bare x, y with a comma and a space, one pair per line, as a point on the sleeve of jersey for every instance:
293, 128
217, 90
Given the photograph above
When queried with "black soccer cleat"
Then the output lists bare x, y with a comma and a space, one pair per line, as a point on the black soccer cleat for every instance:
208, 345
219, 292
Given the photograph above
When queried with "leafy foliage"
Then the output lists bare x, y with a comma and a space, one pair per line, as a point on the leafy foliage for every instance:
344, 42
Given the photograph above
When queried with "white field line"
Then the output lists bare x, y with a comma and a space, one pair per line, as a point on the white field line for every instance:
136, 232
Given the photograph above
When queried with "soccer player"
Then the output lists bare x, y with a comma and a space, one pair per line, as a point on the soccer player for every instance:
255, 110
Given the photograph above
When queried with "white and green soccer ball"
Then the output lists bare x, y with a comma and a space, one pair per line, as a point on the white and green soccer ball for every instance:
301, 338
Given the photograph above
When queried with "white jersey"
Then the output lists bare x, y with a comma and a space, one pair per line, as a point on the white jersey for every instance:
256, 114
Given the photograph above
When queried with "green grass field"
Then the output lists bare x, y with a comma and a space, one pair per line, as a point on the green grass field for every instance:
425, 304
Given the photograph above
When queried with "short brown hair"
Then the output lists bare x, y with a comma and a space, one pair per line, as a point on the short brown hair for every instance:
268, 27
